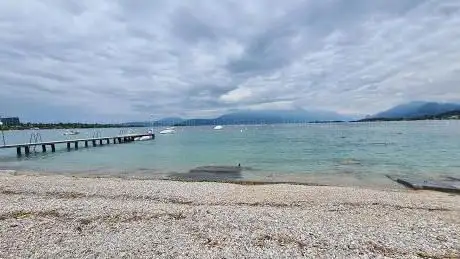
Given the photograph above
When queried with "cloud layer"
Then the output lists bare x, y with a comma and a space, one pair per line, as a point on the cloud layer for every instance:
123, 60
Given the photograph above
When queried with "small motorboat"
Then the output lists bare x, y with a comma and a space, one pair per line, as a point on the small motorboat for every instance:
71, 132
144, 138
218, 127
170, 130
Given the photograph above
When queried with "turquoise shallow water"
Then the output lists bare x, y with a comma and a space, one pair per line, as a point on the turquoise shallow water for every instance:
346, 153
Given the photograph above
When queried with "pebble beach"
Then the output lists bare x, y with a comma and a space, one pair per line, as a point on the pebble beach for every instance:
74, 217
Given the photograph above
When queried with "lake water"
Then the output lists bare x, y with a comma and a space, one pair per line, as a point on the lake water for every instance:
338, 154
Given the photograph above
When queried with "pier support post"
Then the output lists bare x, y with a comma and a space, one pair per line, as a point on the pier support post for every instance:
25, 149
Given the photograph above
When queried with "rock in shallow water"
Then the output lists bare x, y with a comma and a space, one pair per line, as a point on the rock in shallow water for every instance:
210, 173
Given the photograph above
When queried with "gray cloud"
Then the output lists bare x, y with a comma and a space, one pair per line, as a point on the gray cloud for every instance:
127, 60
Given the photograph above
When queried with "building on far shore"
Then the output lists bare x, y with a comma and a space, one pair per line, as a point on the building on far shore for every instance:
11, 121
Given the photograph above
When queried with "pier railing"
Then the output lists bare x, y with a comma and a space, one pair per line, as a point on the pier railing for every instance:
36, 142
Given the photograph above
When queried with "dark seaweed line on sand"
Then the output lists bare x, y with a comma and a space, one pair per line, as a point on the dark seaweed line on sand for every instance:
344, 206
242, 182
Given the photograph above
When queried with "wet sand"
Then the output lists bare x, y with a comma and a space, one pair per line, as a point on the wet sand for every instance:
68, 217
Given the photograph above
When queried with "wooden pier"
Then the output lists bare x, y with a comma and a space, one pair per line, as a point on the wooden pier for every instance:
27, 147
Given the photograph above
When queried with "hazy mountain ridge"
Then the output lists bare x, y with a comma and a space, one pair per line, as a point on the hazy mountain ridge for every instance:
268, 117
451, 115
417, 109
163, 122
410, 111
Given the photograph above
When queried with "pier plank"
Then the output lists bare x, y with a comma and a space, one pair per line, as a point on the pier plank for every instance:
130, 136
69, 142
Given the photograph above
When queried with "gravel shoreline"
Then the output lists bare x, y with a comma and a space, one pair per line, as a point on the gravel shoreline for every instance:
70, 217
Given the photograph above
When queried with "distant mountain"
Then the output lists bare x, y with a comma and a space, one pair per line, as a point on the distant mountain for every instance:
135, 124
163, 122
168, 121
417, 109
268, 117
451, 115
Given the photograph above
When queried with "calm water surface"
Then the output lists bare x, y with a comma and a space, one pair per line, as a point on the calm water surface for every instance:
343, 154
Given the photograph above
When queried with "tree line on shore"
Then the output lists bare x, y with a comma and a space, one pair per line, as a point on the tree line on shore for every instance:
451, 115
26, 126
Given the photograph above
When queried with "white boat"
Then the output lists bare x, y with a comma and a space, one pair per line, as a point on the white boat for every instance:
144, 138
218, 127
71, 132
170, 130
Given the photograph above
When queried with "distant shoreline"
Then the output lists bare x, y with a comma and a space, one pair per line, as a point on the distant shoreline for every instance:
400, 119
36, 126
42, 126
452, 115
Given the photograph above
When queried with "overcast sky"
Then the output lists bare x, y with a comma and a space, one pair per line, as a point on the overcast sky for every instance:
118, 60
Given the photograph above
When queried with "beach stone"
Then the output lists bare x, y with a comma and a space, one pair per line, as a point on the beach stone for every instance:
65, 217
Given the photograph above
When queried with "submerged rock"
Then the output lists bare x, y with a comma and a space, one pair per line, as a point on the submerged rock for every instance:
210, 173
450, 178
434, 185
217, 169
